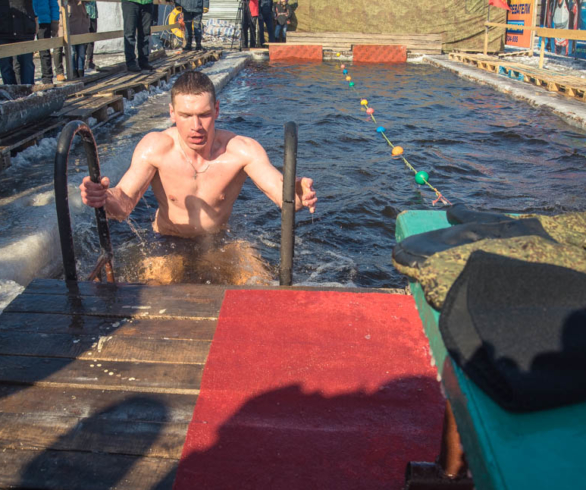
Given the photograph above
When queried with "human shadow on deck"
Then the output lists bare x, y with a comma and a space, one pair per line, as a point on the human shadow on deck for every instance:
105, 449
289, 438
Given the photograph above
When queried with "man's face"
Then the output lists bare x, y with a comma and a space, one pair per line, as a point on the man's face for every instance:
195, 117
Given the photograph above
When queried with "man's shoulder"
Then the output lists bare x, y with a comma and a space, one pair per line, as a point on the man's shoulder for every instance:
155, 144
238, 142
243, 148
159, 139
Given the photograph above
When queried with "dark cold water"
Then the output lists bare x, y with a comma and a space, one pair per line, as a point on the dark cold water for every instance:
479, 147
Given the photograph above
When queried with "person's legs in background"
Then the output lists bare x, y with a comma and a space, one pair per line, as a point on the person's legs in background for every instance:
252, 27
197, 30
130, 16
78, 55
44, 32
27, 68
188, 20
145, 22
267, 16
57, 53
7, 69
260, 31
278, 32
284, 33
58, 62
244, 28
89, 49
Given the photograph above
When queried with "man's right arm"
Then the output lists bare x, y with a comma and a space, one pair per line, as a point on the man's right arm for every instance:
121, 200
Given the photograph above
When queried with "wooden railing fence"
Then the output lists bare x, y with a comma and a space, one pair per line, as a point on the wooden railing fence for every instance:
68, 40
543, 32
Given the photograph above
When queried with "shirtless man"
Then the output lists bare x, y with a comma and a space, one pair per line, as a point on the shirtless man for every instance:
196, 171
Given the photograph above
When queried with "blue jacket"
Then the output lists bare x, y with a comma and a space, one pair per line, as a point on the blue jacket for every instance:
46, 10
193, 5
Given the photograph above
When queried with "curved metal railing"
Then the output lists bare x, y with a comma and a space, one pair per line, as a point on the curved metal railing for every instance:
62, 202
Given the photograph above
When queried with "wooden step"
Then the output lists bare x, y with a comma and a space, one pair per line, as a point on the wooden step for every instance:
101, 108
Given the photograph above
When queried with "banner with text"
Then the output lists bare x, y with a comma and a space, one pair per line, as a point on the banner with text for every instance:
565, 14
521, 14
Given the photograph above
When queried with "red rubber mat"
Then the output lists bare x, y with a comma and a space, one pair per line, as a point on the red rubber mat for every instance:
373, 53
313, 390
295, 52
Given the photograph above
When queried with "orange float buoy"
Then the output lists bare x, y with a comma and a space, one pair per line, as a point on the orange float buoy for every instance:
397, 150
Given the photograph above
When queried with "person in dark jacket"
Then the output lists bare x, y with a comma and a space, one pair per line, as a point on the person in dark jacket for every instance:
47, 12
283, 18
265, 16
17, 23
193, 11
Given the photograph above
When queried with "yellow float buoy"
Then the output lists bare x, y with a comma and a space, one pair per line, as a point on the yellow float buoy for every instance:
348, 78
397, 150
364, 102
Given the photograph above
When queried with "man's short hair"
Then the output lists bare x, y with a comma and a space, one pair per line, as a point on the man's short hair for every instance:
193, 83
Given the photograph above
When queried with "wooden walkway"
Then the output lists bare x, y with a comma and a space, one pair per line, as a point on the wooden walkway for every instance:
344, 41
102, 98
567, 85
98, 382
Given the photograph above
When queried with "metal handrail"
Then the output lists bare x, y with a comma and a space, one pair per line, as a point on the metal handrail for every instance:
62, 202
288, 207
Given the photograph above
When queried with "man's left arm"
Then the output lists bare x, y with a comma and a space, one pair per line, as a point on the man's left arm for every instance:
269, 180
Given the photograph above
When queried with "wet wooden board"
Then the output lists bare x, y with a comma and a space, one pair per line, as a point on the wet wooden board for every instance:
147, 328
569, 86
54, 470
98, 382
103, 109
21, 138
127, 85
419, 43
39, 431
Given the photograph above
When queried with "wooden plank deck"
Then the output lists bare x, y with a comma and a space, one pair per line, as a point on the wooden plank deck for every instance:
15, 141
567, 85
98, 382
344, 41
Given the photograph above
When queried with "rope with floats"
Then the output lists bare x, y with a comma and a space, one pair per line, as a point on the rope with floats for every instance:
421, 177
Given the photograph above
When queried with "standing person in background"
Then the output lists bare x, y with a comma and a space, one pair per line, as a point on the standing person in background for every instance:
265, 16
92, 12
193, 11
247, 26
282, 16
137, 17
47, 12
255, 27
79, 23
58, 52
17, 23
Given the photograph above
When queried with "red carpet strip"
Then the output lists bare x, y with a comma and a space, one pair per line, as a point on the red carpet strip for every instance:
313, 390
